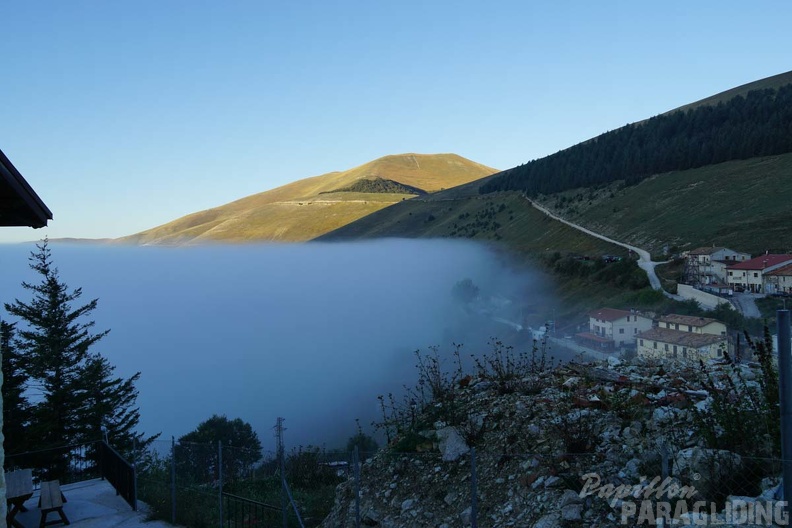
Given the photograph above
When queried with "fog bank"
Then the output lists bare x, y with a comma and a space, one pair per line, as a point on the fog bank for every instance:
310, 332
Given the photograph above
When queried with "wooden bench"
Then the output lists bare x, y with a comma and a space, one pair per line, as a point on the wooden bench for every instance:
51, 500
19, 488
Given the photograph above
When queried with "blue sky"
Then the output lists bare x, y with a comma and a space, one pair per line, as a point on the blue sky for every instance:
125, 115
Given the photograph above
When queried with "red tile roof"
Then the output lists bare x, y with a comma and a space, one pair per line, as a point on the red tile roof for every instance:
609, 314
783, 270
675, 337
761, 262
691, 320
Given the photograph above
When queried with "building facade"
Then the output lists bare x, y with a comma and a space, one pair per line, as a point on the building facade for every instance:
779, 280
707, 265
664, 343
611, 328
750, 275
692, 324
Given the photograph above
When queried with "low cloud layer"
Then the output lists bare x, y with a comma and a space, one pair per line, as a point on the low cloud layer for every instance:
310, 332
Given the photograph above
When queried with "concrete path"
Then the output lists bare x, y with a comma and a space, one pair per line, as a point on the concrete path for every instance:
92, 504
644, 259
746, 303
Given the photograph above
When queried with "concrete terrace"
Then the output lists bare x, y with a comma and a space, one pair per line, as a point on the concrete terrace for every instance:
91, 504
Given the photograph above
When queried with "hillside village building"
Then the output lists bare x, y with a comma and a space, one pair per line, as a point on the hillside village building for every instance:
779, 280
683, 337
610, 328
751, 274
708, 265
19, 206
692, 324
677, 344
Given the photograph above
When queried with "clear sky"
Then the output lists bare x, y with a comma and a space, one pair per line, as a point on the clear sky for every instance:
125, 115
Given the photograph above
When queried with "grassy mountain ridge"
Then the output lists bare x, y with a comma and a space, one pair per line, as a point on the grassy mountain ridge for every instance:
310, 207
773, 83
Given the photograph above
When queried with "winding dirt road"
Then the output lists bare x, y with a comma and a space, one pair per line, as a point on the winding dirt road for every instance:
645, 261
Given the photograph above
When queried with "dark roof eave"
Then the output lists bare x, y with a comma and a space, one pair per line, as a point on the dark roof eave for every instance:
39, 213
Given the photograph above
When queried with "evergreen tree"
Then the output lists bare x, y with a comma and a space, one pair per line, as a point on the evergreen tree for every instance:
16, 408
55, 344
77, 393
109, 407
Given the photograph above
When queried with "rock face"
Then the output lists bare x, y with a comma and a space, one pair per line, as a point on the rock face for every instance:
572, 447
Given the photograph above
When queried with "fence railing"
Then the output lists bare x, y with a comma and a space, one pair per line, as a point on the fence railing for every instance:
119, 473
77, 463
68, 464
239, 511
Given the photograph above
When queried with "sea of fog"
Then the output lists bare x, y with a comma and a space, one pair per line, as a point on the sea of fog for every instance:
310, 332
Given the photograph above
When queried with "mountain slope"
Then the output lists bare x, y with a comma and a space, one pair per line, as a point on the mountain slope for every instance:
308, 208
741, 204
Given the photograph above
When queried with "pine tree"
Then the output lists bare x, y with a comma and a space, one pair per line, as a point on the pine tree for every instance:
16, 408
77, 393
109, 407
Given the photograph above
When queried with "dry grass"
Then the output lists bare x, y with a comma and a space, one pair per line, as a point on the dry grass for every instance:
297, 212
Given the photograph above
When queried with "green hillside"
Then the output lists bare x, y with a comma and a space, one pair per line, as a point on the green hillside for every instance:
308, 208
741, 204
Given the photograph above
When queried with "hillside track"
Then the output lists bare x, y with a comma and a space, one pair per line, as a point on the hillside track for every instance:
645, 261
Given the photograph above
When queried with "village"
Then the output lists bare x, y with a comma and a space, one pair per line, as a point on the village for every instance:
712, 276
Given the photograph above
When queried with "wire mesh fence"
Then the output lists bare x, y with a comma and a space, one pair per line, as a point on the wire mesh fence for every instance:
211, 485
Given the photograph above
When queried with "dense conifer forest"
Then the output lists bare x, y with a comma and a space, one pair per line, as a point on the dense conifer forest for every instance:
759, 124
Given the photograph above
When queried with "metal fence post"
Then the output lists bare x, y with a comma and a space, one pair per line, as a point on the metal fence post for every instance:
785, 391
173, 480
356, 469
473, 490
282, 464
220, 477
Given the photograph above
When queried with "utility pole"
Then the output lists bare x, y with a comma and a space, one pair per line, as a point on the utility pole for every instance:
282, 463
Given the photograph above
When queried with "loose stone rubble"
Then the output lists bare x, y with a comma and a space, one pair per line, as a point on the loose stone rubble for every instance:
542, 448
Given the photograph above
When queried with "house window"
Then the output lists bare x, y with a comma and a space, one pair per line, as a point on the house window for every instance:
666, 347
675, 350
635, 330
756, 274
621, 330
684, 352
730, 274
642, 342
654, 344
690, 328
720, 352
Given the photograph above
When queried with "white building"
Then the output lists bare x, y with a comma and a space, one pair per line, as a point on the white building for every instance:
750, 275
611, 328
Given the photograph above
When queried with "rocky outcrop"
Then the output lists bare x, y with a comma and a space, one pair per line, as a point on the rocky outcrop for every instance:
581, 448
